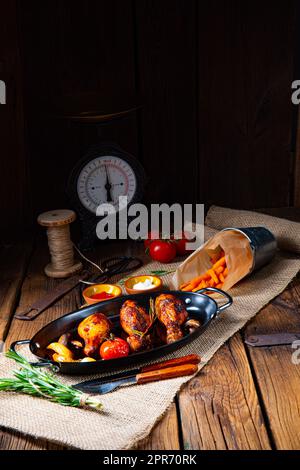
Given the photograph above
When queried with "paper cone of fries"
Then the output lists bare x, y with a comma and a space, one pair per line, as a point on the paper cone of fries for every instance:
225, 259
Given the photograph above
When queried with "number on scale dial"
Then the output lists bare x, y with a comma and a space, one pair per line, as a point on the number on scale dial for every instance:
103, 180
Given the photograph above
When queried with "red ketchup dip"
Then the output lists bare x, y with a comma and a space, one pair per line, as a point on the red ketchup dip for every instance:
102, 296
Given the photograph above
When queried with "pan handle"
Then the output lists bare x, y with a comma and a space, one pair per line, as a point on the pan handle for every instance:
218, 291
35, 364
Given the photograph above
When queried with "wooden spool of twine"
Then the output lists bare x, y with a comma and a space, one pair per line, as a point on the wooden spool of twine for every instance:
60, 245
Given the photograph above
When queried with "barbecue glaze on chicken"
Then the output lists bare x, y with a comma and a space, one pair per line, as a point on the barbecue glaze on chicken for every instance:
93, 330
171, 312
133, 318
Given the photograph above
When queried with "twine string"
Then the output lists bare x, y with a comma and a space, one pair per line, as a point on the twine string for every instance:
83, 399
88, 260
61, 247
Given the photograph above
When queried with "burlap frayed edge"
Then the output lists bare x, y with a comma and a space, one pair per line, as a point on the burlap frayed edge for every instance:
36, 438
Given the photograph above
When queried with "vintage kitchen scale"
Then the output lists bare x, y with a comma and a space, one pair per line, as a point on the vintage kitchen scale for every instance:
101, 176
105, 171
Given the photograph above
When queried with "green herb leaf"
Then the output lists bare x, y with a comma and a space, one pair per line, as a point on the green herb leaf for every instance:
137, 333
162, 272
36, 382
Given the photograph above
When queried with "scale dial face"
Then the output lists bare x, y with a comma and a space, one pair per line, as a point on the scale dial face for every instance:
103, 179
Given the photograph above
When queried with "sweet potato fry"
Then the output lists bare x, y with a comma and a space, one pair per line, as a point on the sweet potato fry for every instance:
219, 270
200, 286
194, 282
191, 286
220, 262
184, 285
187, 288
213, 275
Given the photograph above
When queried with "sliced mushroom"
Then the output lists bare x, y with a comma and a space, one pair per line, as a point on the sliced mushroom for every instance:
192, 325
61, 351
76, 343
64, 339
57, 358
76, 347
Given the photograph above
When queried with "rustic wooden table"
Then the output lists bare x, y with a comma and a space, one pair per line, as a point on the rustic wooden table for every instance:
245, 398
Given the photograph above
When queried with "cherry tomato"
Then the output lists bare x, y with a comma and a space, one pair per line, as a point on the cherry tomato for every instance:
154, 235
163, 251
181, 247
180, 241
114, 348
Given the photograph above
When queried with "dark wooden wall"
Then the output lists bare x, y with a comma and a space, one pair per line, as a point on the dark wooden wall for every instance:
14, 200
213, 78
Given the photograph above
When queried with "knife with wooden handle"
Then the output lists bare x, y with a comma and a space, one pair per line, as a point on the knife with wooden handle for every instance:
167, 373
189, 359
90, 385
142, 378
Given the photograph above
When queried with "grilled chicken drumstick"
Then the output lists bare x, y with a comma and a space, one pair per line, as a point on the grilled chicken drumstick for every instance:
172, 313
135, 320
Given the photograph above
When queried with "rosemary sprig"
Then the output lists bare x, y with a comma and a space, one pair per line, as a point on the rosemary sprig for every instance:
162, 272
36, 382
153, 317
152, 312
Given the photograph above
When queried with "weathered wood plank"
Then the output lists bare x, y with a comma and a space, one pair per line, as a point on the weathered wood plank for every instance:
165, 435
220, 408
13, 262
277, 376
12, 440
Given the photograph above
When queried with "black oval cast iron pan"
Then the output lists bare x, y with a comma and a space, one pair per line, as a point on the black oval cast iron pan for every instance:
198, 305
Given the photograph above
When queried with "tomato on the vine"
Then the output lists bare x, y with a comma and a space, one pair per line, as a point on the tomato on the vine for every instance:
163, 251
114, 348
180, 241
154, 235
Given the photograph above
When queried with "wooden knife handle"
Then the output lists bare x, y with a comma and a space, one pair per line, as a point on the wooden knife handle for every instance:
190, 359
168, 373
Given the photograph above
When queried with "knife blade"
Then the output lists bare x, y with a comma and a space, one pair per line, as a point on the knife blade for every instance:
189, 359
106, 387
272, 339
142, 378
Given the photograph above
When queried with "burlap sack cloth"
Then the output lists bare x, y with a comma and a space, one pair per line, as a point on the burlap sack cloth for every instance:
130, 413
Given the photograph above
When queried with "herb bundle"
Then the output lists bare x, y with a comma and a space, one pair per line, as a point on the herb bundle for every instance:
40, 383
